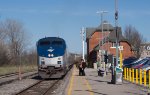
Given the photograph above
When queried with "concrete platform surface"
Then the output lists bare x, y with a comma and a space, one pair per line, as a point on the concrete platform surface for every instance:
92, 84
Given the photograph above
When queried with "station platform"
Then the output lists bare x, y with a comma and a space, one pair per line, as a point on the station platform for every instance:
92, 84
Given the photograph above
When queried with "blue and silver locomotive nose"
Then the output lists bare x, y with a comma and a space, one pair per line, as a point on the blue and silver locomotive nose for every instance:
50, 52
52, 56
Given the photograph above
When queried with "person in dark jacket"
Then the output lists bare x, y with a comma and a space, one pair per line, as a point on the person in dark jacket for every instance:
83, 67
80, 68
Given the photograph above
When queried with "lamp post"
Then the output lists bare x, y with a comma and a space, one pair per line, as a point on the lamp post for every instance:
107, 24
102, 50
102, 12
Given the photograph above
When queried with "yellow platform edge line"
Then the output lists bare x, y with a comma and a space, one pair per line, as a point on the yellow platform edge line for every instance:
71, 82
89, 87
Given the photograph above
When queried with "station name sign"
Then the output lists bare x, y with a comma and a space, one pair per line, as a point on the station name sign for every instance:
147, 47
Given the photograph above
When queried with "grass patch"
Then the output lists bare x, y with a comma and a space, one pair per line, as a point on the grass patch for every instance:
12, 68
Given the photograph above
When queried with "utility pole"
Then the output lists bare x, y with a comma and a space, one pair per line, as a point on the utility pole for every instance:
19, 69
102, 49
83, 37
116, 29
104, 65
102, 12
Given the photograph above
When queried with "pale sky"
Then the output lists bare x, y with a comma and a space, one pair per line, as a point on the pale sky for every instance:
65, 18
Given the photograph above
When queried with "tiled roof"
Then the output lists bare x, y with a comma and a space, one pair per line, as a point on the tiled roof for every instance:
106, 27
144, 44
89, 32
112, 37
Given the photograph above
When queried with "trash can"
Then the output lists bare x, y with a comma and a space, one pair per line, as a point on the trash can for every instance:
119, 75
101, 72
95, 65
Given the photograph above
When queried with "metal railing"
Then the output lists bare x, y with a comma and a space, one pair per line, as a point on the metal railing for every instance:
137, 76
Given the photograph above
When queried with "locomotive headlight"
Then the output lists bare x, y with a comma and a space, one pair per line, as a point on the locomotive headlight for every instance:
52, 55
49, 55
59, 58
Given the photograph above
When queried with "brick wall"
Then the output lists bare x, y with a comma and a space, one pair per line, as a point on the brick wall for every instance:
94, 41
95, 38
126, 49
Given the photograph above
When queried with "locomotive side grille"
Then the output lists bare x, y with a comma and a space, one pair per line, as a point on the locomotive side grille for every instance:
58, 62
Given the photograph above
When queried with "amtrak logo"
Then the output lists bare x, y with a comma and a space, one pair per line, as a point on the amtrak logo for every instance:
50, 50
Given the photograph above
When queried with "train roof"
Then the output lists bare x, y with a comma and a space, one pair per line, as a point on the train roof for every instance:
51, 38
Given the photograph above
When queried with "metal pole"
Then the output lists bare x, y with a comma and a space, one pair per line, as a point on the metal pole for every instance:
83, 43
20, 78
108, 38
116, 28
102, 56
116, 25
102, 12
102, 31
82, 35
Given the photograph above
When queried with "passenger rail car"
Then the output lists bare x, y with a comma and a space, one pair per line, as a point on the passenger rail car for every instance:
52, 57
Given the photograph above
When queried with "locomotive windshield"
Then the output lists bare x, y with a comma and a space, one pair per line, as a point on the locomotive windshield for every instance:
45, 43
57, 43
51, 42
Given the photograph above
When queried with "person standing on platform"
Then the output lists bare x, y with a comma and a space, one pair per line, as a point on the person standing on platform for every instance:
81, 68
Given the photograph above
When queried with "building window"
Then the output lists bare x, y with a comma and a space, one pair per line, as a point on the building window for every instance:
114, 45
148, 53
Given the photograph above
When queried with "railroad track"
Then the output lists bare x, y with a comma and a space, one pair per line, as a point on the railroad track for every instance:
9, 78
8, 75
42, 87
12, 74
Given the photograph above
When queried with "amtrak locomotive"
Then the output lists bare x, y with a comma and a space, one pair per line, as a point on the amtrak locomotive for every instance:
52, 57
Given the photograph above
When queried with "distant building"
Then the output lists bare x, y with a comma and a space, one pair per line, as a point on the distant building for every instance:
145, 50
94, 41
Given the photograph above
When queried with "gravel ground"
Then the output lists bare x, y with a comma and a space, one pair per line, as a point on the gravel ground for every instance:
16, 86
12, 88
10, 79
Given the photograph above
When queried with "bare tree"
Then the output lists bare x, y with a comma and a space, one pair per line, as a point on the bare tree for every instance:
30, 57
135, 38
3, 50
15, 39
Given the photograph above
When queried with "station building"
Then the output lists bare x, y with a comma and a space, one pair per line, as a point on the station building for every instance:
97, 40
145, 50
